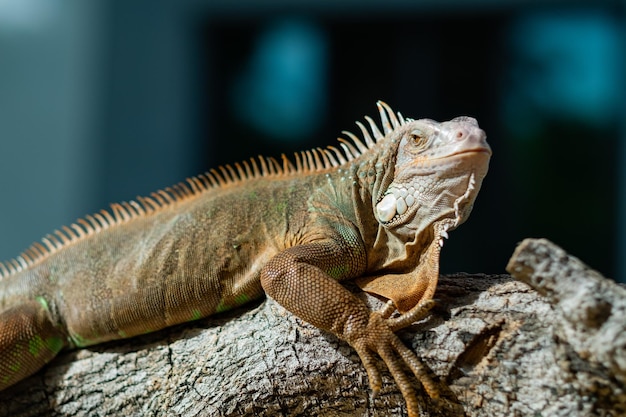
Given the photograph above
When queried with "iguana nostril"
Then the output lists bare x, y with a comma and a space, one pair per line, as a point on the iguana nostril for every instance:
460, 135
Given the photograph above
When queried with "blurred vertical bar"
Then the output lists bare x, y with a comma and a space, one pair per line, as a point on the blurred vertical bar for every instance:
620, 241
49, 115
147, 139
620, 254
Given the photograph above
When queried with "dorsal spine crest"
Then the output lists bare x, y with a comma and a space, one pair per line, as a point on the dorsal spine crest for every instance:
313, 160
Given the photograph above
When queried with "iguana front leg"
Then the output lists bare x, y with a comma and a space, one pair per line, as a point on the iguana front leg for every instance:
302, 280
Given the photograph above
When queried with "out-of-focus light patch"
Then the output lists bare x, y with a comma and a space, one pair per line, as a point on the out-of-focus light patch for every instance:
281, 89
26, 15
565, 65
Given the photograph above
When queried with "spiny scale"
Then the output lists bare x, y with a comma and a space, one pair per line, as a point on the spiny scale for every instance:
312, 160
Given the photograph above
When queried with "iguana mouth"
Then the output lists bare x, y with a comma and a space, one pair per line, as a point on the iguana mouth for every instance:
465, 153
475, 150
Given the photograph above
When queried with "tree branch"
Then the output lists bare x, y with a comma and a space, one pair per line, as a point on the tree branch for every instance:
550, 345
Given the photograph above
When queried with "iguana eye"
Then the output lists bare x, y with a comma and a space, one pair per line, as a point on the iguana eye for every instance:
417, 138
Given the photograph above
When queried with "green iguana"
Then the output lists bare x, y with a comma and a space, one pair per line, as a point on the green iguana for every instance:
376, 212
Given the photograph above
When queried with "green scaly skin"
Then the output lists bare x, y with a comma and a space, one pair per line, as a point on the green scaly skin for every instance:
231, 236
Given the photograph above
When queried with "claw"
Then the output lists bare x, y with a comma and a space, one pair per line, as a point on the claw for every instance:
416, 313
387, 310
402, 380
369, 363
379, 338
418, 370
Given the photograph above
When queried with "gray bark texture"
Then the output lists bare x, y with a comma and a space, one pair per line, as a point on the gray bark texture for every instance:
548, 341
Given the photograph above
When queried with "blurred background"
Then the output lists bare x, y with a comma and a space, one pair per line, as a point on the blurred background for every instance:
104, 100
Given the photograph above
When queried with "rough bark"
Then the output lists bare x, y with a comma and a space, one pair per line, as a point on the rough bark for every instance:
552, 345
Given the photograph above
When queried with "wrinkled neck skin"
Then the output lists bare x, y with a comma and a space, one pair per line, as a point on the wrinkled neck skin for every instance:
372, 178
403, 244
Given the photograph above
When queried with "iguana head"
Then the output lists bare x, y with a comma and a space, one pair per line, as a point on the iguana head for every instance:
429, 176
439, 168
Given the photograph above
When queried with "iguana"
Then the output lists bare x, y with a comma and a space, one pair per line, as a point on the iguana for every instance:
376, 212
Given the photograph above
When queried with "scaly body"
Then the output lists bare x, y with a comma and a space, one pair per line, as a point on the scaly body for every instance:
376, 213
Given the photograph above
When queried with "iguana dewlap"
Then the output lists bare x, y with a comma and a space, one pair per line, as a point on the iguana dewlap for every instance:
376, 211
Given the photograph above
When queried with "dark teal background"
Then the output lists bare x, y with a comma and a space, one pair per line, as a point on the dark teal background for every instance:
101, 101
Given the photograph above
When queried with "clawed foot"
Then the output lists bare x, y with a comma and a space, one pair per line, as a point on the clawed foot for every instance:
379, 338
